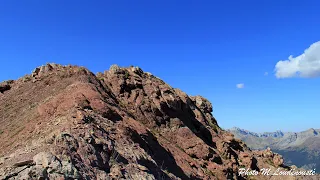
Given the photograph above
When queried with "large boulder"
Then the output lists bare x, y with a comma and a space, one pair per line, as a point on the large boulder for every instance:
4, 87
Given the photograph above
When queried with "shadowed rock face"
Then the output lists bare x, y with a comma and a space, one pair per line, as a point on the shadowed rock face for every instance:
64, 122
5, 86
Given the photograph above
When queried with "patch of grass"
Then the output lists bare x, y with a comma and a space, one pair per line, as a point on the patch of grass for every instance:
1, 132
154, 133
208, 172
269, 161
113, 157
132, 111
32, 105
122, 104
126, 75
224, 156
213, 126
26, 78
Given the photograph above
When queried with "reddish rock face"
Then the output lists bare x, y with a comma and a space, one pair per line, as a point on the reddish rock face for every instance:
65, 122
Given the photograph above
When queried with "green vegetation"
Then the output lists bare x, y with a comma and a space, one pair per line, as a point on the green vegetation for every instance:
213, 126
26, 78
122, 104
143, 102
269, 161
206, 171
126, 75
114, 157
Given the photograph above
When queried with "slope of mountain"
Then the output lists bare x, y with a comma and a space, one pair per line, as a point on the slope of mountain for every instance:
64, 122
301, 149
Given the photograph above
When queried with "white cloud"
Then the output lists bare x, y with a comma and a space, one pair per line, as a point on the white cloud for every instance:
306, 65
266, 73
240, 86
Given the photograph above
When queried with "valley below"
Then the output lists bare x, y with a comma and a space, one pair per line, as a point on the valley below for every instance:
301, 149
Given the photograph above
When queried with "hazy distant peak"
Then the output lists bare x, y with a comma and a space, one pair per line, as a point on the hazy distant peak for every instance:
310, 132
299, 148
243, 131
277, 133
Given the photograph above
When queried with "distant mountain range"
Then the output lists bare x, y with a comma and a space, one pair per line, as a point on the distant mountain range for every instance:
299, 148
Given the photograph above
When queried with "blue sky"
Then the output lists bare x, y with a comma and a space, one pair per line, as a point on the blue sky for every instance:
201, 47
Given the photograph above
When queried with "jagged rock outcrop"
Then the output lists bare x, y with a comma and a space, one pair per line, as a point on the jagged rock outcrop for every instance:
5, 86
65, 122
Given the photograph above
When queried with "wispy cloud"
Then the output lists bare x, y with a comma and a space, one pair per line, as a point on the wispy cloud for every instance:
240, 86
306, 65
266, 73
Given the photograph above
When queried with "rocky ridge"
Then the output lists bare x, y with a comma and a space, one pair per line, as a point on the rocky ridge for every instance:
64, 122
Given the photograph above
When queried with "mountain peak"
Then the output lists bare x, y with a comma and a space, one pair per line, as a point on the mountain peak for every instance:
120, 124
299, 148
310, 131
265, 134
